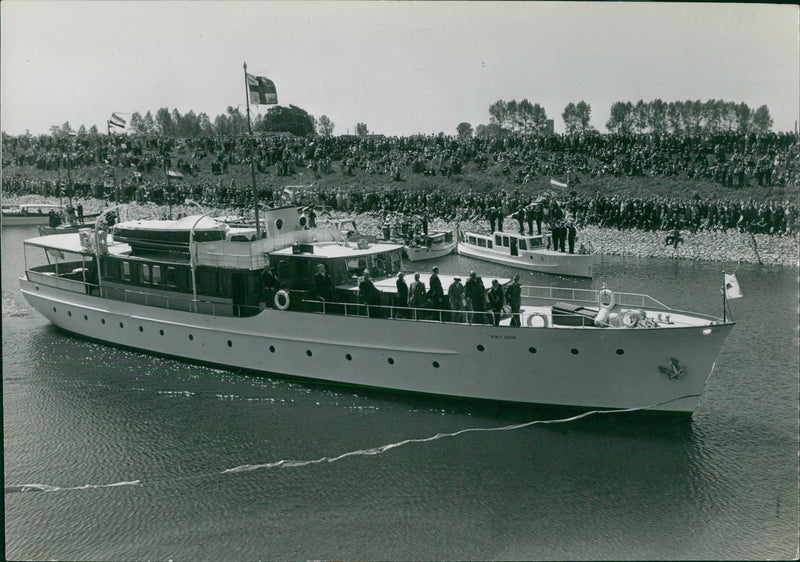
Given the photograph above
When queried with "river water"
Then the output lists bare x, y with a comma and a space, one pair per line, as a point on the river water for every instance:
117, 455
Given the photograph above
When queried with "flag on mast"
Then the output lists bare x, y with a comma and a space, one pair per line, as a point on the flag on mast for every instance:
732, 290
117, 121
262, 90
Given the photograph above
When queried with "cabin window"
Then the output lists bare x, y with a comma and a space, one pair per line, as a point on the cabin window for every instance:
170, 278
506, 242
481, 242
126, 270
523, 244
498, 240
488, 243
471, 240
144, 276
156, 274
536, 242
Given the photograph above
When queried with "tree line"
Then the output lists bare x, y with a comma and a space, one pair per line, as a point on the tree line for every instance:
522, 117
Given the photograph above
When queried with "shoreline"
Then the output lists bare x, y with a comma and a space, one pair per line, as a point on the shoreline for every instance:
721, 246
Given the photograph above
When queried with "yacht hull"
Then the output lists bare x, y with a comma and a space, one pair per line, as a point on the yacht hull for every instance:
557, 365
543, 261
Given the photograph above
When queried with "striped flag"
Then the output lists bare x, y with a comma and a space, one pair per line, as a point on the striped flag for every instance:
262, 90
117, 121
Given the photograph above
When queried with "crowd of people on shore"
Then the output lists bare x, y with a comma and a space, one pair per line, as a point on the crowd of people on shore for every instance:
732, 160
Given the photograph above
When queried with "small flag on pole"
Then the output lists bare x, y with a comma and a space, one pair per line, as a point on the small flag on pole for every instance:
732, 290
117, 121
262, 90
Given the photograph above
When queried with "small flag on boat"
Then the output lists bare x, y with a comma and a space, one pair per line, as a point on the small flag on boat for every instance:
732, 290
117, 121
262, 90
557, 183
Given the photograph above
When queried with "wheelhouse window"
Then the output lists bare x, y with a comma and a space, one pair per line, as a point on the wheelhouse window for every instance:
156, 273
126, 270
144, 273
523, 244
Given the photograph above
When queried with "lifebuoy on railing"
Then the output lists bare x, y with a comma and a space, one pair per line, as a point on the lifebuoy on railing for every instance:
545, 320
606, 298
282, 300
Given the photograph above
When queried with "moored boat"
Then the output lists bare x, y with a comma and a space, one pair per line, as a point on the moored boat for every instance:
256, 303
436, 244
531, 252
29, 214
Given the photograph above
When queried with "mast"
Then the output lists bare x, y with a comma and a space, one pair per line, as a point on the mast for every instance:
252, 150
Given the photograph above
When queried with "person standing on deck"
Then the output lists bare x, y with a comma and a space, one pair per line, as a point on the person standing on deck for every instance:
455, 294
514, 300
436, 292
416, 294
401, 299
323, 284
496, 301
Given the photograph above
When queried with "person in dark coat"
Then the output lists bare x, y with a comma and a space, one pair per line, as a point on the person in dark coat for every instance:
480, 299
514, 300
572, 233
323, 284
369, 294
470, 290
436, 292
496, 301
492, 216
401, 299
416, 293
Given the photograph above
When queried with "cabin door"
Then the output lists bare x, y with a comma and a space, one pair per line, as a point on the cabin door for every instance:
514, 249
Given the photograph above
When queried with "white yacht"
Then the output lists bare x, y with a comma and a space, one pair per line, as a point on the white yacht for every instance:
203, 291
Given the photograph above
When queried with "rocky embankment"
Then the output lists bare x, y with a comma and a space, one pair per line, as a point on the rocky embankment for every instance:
726, 245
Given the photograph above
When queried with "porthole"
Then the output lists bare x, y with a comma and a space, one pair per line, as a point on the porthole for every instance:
390, 361
85, 317
272, 349
574, 351
191, 337
620, 352
37, 287
532, 349
69, 313
103, 321
435, 364
480, 348
121, 325
54, 309
230, 343
161, 332
348, 357
308, 352
141, 328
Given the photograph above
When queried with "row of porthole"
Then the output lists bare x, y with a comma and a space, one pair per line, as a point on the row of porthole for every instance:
574, 351
350, 357
122, 325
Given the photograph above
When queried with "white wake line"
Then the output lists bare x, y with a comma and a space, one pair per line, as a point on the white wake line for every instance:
362, 452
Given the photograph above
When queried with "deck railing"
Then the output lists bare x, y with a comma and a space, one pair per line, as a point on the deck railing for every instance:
229, 309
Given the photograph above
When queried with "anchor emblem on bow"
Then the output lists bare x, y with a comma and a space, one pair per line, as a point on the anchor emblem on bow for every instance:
675, 369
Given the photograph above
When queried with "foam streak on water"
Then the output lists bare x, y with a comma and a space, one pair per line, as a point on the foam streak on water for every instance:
288, 463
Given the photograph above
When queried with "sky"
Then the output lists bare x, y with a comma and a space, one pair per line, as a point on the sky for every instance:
401, 68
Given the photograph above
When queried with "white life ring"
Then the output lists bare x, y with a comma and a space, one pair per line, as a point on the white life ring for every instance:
606, 298
529, 321
281, 300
